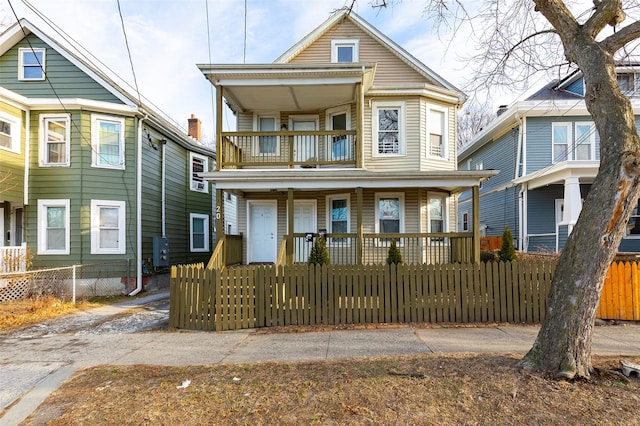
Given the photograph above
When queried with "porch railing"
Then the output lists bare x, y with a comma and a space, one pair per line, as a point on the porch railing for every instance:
416, 248
13, 259
228, 251
289, 149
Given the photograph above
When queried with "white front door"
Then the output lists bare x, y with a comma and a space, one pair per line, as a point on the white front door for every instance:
305, 146
262, 231
304, 220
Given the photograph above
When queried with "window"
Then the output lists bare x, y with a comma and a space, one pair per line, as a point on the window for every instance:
53, 226
266, 145
437, 137
198, 164
54, 140
437, 219
199, 233
338, 216
585, 141
625, 82
345, 50
561, 135
633, 226
388, 128
108, 234
31, 64
389, 215
465, 221
339, 119
9, 133
107, 141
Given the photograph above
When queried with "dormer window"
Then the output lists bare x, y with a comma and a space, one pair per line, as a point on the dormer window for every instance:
345, 50
626, 82
31, 63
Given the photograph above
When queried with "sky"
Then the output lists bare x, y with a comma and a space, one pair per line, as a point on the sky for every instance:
167, 38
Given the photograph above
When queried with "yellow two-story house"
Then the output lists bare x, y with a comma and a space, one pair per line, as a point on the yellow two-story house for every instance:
348, 136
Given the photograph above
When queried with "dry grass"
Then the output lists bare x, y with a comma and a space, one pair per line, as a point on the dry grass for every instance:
424, 389
20, 313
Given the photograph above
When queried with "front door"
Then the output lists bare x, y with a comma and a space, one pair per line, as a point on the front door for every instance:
304, 146
262, 231
304, 220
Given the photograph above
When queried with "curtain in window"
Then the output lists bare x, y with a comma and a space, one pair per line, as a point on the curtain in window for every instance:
389, 215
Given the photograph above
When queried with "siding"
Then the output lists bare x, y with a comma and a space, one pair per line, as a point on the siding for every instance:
12, 163
390, 70
68, 81
576, 87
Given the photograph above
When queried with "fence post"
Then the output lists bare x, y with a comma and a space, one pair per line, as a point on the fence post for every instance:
73, 287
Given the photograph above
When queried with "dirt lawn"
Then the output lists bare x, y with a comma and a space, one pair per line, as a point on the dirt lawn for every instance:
408, 390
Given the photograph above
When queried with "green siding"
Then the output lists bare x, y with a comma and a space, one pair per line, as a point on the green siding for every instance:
64, 79
12, 163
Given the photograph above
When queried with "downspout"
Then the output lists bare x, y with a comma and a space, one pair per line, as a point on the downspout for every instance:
164, 188
522, 190
138, 288
27, 153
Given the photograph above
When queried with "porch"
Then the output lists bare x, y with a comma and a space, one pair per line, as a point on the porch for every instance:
13, 259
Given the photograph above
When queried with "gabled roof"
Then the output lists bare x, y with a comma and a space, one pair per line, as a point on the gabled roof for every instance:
385, 41
22, 28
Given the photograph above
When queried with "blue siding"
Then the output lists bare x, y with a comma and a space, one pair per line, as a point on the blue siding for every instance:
576, 87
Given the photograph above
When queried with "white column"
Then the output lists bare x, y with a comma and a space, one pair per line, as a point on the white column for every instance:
572, 202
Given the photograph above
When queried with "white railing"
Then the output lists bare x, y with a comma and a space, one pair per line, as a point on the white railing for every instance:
13, 259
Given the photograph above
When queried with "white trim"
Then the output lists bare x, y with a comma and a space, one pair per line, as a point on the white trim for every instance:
96, 119
328, 124
96, 205
569, 143
42, 137
274, 204
378, 196
205, 218
21, 64
328, 219
43, 204
445, 132
354, 43
256, 128
16, 132
400, 106
195, 185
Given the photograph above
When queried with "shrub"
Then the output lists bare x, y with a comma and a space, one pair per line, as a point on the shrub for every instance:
487, 256
507, 252
319, 254
394, 256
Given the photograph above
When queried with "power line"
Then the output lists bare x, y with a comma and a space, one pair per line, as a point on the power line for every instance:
126, 42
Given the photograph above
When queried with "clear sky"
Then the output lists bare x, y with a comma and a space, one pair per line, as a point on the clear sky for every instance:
167, 38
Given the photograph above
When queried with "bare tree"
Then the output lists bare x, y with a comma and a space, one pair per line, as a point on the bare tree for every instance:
472, 118
517, 39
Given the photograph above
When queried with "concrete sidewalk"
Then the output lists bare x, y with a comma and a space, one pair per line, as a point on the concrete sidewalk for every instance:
37, 366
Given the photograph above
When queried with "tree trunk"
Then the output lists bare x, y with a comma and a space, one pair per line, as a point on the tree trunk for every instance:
563, 345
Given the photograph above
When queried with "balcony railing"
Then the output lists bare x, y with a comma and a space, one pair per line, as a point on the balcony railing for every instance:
289, 149
416, 248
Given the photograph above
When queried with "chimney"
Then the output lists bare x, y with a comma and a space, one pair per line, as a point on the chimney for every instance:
194, 127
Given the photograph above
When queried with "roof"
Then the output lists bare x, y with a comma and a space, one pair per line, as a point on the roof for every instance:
385, 41
23, 28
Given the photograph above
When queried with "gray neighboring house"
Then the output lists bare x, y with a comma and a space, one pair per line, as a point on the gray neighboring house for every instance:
547, 150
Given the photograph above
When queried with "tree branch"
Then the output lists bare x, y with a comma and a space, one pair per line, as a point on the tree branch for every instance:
607, 12
560, 18
619, 39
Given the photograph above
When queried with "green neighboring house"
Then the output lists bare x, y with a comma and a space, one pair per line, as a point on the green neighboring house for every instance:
87, 174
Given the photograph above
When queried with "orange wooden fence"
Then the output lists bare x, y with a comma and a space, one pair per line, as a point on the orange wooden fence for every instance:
620, 297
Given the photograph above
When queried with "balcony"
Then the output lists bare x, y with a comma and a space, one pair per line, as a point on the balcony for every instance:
289, 149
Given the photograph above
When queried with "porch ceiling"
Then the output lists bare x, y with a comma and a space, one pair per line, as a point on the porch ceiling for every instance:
325, 179
288, 87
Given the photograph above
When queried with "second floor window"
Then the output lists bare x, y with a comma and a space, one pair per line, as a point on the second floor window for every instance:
107, 140
31, 63
626, 82
388, 130
436, 134
585, 141
9, 133
54, 145
561, 135
198, 164
267, 144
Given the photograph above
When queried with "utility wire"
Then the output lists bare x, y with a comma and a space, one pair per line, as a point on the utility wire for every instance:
126, 42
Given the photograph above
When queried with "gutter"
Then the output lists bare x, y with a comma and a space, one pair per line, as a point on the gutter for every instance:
138, 288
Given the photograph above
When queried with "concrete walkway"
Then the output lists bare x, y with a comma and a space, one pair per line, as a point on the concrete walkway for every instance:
34, 365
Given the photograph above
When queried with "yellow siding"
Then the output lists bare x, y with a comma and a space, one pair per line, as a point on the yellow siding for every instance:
391, 70
12, 163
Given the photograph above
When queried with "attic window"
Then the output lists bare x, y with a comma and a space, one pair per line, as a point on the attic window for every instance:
625, 81
346, 50
31, 63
